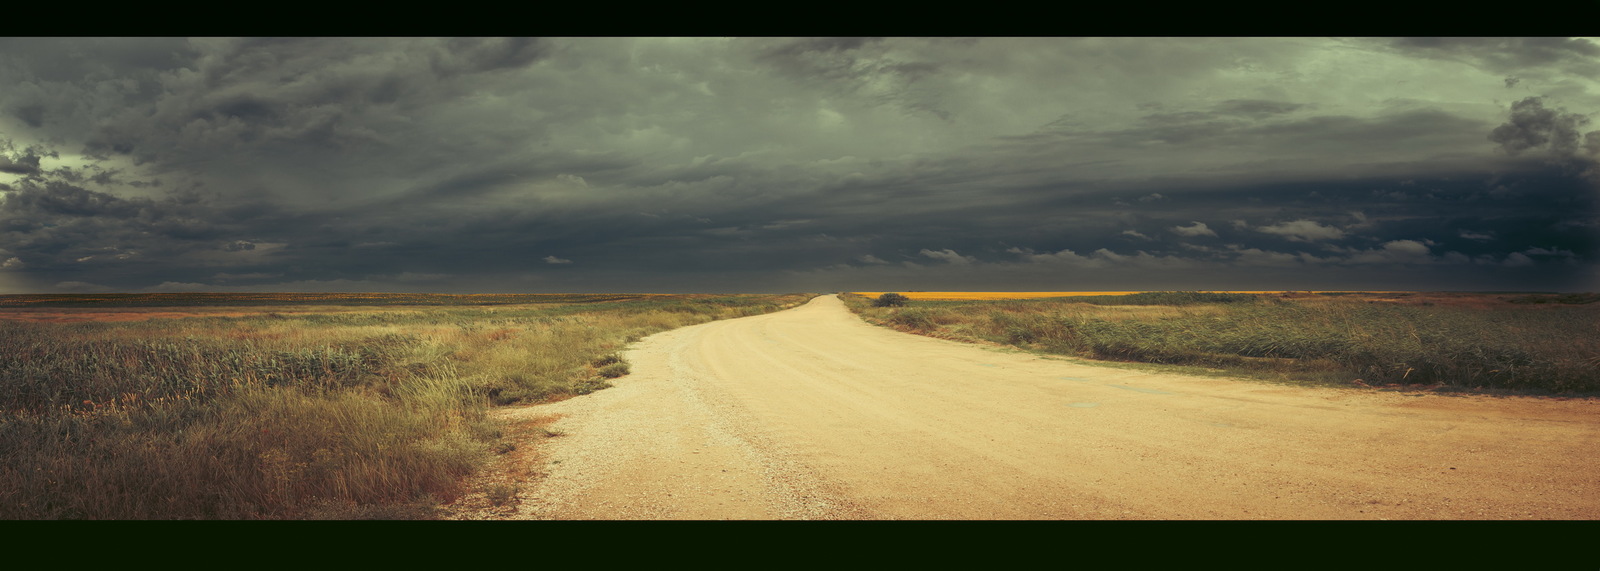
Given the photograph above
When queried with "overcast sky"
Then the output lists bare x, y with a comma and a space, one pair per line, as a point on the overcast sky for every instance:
767, 164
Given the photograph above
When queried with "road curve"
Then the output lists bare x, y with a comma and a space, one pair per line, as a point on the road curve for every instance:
812, 414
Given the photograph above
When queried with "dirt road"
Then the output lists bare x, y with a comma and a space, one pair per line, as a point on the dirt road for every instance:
811, 413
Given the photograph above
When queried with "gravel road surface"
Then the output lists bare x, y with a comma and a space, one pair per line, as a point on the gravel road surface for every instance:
811, 413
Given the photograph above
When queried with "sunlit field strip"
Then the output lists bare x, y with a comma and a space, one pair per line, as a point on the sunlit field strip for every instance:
964, 295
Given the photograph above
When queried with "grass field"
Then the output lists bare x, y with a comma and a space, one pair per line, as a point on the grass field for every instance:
297, 406
203, 299
977, 295
1521, 342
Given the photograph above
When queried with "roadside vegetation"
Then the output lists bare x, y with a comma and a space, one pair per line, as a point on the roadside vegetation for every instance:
890, 300
379, 413
1453, 342
1008, 295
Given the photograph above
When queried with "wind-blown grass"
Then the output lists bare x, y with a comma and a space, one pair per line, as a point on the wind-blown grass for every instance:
371, 414
1548, 348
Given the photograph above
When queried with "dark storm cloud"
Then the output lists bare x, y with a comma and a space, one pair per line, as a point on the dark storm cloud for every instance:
1546, 58
72, 59
1510, 55
1409, 127
24, 161
1219, 128
857, 66
1323, 228
1256, 107
795, 52
33, 115
9, 166
58, 230
613, 164
58, 199
1532, 126
476, 55
1227, 111
326, 93
1165, 146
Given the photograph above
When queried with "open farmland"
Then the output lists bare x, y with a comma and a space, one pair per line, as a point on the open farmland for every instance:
1447, 340
292, 405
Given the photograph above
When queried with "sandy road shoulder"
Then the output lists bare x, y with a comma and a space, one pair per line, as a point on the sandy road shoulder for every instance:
663, 445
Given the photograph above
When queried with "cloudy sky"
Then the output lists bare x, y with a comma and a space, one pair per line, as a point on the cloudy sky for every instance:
768, 164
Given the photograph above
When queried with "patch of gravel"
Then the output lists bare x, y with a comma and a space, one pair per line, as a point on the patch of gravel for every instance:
615, 458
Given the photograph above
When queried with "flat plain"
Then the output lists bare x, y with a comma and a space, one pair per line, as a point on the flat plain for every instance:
1150, 405
811, 413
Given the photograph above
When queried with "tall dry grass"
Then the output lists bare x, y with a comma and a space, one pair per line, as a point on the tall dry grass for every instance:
369, 414
1339, 339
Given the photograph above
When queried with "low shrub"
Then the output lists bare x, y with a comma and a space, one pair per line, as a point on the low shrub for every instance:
890, 300
613, 370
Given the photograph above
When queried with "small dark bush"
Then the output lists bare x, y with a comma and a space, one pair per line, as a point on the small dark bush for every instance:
890, 300
590, 385
614, 370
